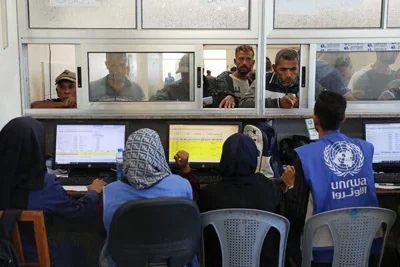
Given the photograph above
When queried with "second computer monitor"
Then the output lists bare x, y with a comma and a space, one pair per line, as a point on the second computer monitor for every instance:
203, 142
385, 136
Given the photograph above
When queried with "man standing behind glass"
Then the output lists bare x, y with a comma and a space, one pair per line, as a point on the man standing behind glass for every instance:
179, 90
115, 86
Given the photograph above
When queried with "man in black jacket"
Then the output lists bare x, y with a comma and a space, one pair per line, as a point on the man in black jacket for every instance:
282, 84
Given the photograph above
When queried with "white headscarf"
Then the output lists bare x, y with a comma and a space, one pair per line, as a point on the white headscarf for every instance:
144, 159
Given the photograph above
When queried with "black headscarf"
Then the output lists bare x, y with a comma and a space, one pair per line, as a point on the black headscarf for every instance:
239, 159
23, 163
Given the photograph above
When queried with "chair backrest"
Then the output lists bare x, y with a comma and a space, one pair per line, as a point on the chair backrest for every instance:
352, 230
163, 231
37, 218
241, 233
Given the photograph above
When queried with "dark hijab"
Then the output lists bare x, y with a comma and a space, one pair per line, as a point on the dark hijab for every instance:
23, 163
239, 159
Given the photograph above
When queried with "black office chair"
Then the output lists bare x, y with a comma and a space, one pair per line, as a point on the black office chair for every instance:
155, 232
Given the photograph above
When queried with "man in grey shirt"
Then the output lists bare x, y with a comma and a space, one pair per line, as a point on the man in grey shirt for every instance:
115, 86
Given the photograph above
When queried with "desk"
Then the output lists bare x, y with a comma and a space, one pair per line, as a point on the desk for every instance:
380, 191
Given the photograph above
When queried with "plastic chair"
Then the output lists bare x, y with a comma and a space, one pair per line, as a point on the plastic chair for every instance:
155, 232
352, 230
241, 233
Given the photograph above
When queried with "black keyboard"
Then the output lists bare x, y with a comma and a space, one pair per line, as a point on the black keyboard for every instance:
82, 180
387, 177
77, 180
209, 179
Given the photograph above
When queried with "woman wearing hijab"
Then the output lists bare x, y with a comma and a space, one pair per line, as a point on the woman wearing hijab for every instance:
241, 187
146, 175
25, 183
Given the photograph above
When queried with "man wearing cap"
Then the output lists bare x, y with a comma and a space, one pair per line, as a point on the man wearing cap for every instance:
115, 86
179, 90
66, 91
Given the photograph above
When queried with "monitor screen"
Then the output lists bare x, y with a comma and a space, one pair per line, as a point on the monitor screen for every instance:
95, 144
202, 142
386, 140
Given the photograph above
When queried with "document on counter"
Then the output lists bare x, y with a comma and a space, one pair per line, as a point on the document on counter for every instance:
77, 188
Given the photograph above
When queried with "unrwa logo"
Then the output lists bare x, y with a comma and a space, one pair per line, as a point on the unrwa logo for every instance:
343, 158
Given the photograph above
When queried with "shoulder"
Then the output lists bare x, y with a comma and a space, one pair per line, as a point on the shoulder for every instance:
98, 84
177, 180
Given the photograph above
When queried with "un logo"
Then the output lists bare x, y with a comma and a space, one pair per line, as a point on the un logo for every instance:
343, 158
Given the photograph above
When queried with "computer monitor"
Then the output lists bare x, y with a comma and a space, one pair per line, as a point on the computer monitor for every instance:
203, 141
87, 145
385, 136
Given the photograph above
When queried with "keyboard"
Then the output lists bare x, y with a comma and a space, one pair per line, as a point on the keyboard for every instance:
82, 180
209, 179
387, 178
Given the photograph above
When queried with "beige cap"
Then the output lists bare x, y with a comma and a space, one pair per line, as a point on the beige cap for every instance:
66, 75
183, 64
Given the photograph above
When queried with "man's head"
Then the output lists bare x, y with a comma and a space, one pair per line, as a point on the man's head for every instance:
184, 68
244, 59
208, 72
268, 65
329, 111
287, 66
116, 64
387, 58
66, 85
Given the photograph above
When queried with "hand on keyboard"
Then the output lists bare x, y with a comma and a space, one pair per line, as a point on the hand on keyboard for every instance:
97, 185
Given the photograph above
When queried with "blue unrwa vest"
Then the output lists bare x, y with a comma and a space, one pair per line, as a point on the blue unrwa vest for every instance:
338, 171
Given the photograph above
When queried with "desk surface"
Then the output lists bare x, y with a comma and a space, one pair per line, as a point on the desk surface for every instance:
77, 191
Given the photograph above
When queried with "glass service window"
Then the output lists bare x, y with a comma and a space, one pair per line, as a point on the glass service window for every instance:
52, 78
322, 14
282, 76
362, 75
394, 14
196, 14
82, 14
229, 72
138, 77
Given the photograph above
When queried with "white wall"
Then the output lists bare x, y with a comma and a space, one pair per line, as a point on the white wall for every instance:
10, 102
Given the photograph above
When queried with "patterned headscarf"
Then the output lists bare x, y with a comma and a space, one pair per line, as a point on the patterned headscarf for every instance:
144, 159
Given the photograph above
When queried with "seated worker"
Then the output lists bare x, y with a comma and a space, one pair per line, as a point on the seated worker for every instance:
241, 187
238, 82
373, 82
332, 173
115, 86
25, 184
66, 92
392, 92
283, 83
328, 78
150, 179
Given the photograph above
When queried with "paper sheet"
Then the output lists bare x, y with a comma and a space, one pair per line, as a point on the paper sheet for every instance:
296, 7
312, 132
72, 3
78, 188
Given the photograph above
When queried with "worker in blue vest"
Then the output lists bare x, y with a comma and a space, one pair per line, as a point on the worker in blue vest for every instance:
334, 172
